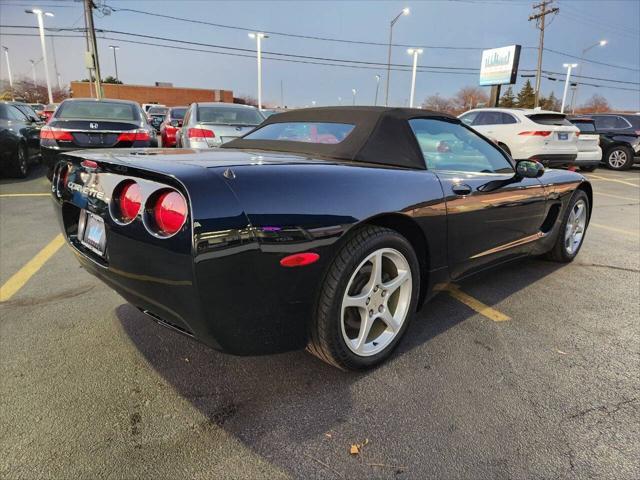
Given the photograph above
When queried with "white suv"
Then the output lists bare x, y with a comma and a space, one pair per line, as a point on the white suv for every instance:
545, 136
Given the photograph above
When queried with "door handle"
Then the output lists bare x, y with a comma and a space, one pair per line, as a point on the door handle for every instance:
461, 189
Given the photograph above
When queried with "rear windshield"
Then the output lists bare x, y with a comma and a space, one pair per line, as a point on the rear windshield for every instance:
229, 116
98, 111
308, 132
37, 106
158, 111
585, 125
178, 113
549, 119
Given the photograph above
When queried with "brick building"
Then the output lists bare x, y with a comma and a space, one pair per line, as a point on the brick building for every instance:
169, 96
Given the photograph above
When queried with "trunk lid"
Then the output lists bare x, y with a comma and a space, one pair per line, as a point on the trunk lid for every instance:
94, 133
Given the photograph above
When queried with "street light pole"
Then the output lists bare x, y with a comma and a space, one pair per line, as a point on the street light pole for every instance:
354, 92
6, 56
569, 67
405, 11
375, 102
258, 37
115, 59
40, 14
574, 93
415, 52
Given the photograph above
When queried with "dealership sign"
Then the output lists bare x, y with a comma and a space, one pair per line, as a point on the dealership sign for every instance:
500, 65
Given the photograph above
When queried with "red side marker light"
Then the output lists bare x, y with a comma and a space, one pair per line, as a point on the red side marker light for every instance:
299, 259
89, 164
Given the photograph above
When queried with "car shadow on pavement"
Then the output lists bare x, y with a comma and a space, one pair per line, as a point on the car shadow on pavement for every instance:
273, 403
35, 171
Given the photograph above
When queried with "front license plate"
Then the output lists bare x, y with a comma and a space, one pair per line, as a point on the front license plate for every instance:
93, 236
563, 136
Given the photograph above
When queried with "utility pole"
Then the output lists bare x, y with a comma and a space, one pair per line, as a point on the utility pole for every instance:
55, 63
539, 17
93, 44
6, 56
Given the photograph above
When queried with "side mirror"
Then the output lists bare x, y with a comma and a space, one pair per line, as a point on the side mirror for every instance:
529, 169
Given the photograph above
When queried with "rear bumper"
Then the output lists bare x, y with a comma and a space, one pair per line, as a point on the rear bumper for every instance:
557, 160
587, 159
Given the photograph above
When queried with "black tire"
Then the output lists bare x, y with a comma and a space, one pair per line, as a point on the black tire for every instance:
20, 163
505, 148
559, 253
616, 152
590, 168
325, 337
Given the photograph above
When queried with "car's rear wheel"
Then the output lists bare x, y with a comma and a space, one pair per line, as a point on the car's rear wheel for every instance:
573, 229
619, 158
367, 300
20, 164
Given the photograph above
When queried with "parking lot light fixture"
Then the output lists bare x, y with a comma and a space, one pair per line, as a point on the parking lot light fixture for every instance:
405, 11
375, 101
39, 15
574, 94
259, 36
569, 67
115, 59
415, 52
354, 92
6, 56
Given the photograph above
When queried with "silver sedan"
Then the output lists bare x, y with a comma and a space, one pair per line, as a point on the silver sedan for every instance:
208, 125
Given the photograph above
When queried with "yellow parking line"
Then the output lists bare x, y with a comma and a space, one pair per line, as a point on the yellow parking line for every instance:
617, 230
22, 276
24, 195
617, 196
613, 180
473, 303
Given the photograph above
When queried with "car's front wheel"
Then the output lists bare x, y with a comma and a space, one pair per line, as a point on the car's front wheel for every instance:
573, 229
367, 300
20, 164
619, 158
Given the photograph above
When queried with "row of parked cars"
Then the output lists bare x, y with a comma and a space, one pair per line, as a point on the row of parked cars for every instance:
552, 138
557, 140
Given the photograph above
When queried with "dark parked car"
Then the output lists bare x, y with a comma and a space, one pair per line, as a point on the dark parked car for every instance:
155, 116
19, 140
89, 123
619, 139
171, 124
323, 228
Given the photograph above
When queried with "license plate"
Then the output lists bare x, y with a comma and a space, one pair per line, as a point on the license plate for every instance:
563, 136
92, 234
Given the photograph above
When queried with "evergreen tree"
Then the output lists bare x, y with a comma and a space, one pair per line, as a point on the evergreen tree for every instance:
550, 103
526, 96
508, 99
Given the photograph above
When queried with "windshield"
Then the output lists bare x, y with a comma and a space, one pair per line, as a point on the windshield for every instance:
229, 115
92, 110
178, 113
158, 111
309, 132
549, 119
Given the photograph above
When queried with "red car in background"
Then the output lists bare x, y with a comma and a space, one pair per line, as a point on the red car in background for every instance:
169, 127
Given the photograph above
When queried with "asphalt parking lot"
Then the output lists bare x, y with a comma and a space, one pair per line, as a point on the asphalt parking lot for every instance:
530, 371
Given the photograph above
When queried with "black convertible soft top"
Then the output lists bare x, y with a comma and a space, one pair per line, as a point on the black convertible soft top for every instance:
381, 135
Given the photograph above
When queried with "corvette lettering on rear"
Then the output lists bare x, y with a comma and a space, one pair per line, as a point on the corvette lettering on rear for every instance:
91, 192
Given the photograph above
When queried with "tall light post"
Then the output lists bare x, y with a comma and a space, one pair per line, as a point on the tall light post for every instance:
405, 11
574, 94
115, 59
6, 56
569, 67
415, 52
40, 14
354, 92
258, 36
375, 102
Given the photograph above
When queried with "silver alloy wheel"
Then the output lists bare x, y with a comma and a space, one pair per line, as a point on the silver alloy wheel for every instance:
617, 158
22, 161
576, 224
376, 302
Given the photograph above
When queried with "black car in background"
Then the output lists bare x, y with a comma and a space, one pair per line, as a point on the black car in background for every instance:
19, 140
156, 115
89, 123
619, 138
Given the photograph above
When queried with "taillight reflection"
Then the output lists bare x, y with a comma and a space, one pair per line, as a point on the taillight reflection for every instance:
127, 200
169, 212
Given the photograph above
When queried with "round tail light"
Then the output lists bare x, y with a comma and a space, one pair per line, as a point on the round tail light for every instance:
169, 212
127, 201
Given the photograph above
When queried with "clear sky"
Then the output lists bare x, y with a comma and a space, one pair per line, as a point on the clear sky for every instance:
433, 23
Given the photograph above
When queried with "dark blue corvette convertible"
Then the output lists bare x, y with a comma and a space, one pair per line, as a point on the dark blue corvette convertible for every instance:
324, 228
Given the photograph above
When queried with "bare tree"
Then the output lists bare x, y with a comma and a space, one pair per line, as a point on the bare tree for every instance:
438, 104
25, 90
596, 104
468, 98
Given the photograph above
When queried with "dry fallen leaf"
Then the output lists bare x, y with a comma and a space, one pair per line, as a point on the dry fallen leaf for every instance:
561, 352
356, 448
328, 435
